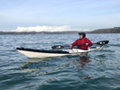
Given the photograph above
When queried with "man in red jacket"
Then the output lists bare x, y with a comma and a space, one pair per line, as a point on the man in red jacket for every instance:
82, 42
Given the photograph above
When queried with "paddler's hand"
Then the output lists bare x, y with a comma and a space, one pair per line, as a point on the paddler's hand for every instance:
71, 46
87, 44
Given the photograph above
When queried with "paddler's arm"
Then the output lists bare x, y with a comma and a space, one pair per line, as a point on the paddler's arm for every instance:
73, 44
88, 42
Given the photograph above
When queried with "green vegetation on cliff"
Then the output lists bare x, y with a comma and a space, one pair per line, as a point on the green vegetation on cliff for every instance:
108, 30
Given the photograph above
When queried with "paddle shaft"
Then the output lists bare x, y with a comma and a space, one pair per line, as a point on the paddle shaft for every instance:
99, 43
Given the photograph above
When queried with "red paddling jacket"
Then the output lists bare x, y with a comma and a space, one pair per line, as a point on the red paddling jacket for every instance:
81, 43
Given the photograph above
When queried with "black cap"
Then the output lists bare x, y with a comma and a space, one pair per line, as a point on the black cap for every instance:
82, 33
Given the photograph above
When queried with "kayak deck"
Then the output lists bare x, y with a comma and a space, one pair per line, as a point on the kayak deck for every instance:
43, 51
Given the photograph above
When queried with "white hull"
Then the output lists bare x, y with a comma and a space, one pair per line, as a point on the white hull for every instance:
40, 54
33, 54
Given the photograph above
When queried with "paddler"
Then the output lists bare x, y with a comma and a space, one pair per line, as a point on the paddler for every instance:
82, 42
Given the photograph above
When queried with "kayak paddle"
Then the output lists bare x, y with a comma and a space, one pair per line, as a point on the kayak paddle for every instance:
99, 43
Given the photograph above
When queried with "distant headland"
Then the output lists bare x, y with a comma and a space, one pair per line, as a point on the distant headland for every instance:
107, 30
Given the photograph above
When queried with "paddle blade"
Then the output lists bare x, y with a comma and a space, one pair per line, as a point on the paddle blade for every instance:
102, 42
57, 47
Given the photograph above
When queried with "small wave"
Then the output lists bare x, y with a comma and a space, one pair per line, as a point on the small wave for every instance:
101, 56
108, 50
117, 45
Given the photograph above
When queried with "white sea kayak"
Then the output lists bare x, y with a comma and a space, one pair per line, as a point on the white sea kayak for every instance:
35, 53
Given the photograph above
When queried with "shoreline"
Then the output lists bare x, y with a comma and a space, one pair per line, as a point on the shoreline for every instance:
98, 31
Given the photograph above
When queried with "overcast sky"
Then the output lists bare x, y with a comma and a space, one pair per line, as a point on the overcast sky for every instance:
43, 15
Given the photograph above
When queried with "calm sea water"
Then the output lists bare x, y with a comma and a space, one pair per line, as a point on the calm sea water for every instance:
99, 70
